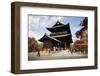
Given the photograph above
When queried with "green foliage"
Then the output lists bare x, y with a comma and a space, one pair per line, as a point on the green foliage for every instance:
40, 46
33, 45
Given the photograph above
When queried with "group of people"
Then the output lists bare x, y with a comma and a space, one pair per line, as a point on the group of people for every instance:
53, 50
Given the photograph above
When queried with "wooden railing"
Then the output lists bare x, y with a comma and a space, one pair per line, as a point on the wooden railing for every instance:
58, 33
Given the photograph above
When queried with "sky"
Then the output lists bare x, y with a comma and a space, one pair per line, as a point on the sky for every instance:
37, 24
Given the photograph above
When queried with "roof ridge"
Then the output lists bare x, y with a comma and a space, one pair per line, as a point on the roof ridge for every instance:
58, 23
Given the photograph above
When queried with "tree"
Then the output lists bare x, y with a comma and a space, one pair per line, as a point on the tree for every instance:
40, 46
83, 35
33, 45
84, 25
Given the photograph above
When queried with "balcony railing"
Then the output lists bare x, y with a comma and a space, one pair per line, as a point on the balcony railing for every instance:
58, 33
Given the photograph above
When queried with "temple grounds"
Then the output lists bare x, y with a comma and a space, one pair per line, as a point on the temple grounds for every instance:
62, 54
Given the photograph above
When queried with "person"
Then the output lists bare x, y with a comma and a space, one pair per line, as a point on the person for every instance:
38, 54
54, 49
49, 51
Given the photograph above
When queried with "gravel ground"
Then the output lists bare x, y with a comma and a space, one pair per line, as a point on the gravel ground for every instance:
64, 54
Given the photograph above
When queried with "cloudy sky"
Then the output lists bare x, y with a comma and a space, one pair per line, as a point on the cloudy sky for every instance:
37, 24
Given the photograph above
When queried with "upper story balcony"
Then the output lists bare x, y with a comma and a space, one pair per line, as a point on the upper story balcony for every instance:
58, 33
